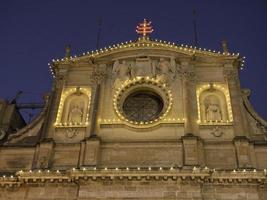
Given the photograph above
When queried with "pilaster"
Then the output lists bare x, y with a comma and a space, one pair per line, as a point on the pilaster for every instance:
239, 118
189, 98
193, 151
54, 101
43, 154
91, 152
243, 153
97, 77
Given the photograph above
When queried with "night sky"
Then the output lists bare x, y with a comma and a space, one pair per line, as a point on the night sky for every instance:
34, 32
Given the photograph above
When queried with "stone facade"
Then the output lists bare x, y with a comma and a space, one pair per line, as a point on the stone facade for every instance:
140, 120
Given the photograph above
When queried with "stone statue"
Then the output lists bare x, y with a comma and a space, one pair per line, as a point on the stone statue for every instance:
166, 69
76, 115
213, 112
121, 70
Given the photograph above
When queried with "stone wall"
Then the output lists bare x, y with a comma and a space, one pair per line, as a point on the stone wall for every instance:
134, 189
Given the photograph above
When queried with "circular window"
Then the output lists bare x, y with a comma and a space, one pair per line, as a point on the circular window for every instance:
142, 106
142, 102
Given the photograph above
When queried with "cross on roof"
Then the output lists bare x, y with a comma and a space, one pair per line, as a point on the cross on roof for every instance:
144, 28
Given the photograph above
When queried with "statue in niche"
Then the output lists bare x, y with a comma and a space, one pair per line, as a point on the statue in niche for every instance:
166, 69
75, 114
213, 112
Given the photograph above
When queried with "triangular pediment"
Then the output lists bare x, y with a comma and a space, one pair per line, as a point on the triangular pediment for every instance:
148, 46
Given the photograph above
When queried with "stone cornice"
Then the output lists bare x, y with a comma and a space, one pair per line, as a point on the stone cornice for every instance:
146, 44
197, 175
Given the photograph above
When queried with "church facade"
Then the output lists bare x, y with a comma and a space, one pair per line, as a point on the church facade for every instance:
145, 119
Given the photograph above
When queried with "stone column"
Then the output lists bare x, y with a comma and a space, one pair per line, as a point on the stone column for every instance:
189, 99
238, 111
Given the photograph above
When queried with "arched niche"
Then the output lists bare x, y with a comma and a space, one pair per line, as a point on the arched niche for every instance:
74, 108
213, 106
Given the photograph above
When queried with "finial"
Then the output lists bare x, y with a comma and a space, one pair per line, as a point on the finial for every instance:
67, 51
144, 28
225, 46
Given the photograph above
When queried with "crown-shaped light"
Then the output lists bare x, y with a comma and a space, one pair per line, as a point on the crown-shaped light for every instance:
144, 28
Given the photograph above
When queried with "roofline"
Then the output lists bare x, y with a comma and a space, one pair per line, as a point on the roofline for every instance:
146, 43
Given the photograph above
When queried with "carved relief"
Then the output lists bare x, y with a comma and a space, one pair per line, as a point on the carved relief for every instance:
143, 67
99, 73
71, 132
217, 132
166, 69
121, 72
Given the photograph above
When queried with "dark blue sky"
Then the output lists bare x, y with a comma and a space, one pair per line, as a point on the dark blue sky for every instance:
34, 32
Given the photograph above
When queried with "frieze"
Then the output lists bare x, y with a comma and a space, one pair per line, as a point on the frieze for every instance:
162, 68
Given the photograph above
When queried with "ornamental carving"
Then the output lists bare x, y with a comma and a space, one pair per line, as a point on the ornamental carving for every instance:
71, 132
217, 132
121, 71
187, 75
166, 70
163, 69
98, 74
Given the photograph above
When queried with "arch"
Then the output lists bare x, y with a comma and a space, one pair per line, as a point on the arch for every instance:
74, 111
74, 107
214, 105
